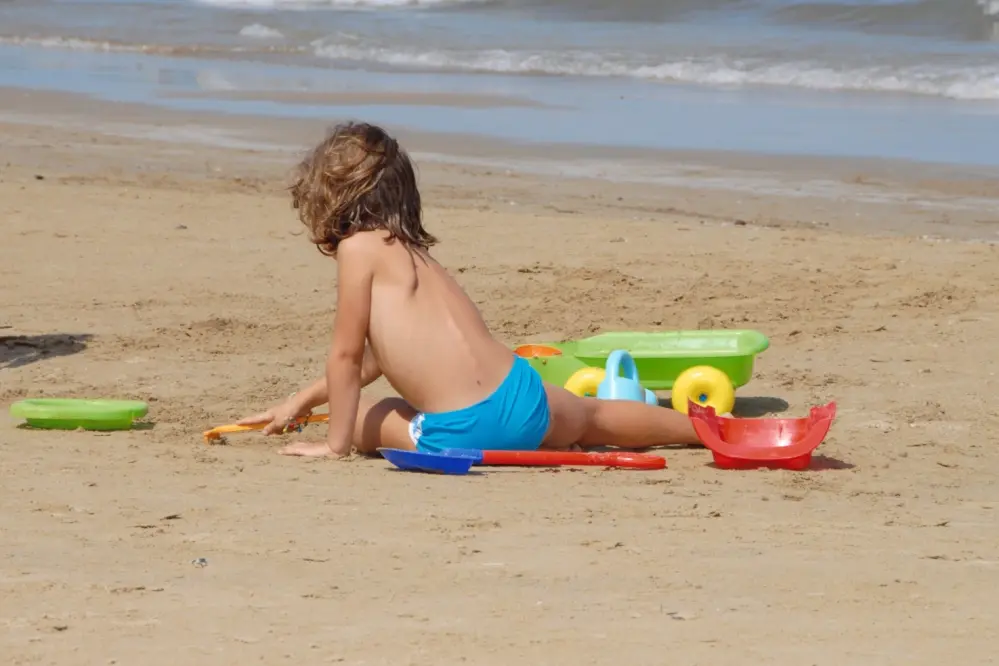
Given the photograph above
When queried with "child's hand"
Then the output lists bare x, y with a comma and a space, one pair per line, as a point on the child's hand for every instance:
278, 419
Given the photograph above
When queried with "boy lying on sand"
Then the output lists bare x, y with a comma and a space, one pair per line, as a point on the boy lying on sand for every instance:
401, 315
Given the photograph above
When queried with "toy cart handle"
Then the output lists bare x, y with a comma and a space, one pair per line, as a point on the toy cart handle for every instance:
621, 360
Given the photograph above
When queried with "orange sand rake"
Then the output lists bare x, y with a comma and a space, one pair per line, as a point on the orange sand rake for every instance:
217, 433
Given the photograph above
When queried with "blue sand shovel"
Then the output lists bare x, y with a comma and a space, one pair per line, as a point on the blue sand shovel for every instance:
460, 461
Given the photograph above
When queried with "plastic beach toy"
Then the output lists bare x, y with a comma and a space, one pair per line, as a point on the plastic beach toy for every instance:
626, 387
585, 381
70, 413
416, 461
750, 443
537, 351
610, 384
460, 461
661, 356
219, 431
703, 385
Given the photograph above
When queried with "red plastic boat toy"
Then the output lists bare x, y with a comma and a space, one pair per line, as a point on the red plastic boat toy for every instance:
751, 443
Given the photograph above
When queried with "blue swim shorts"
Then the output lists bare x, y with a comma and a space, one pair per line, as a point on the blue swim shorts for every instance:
514, 418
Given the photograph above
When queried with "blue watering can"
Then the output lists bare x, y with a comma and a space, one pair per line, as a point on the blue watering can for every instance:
616, 387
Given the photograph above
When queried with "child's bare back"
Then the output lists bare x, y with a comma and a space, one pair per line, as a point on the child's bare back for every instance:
425, 333
401, 315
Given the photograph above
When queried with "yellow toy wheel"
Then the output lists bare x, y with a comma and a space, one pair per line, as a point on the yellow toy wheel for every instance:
585, 381
706, 386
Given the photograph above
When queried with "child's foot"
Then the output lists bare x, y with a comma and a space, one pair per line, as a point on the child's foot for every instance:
307, 450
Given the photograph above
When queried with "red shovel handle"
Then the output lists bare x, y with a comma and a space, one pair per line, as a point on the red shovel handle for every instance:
558, 458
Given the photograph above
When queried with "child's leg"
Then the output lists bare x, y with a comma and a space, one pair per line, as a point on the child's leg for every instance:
621, 423
383, 423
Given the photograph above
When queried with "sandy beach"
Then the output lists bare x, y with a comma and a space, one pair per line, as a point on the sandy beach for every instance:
142, 260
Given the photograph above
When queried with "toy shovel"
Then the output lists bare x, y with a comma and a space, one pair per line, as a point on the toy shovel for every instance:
460, 461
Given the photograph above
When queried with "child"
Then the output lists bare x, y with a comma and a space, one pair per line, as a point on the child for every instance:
401, 315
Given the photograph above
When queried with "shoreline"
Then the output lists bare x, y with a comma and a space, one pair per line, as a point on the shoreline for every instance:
939, 201
370, 98
612, 113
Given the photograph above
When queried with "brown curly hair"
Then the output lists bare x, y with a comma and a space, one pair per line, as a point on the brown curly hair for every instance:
358, 179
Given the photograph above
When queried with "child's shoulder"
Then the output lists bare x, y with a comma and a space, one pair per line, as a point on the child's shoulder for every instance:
374, 242
374, 251
367, 239
364, 244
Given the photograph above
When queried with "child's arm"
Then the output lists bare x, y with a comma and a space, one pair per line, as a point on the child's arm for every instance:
316, 393
304, 401
355, 274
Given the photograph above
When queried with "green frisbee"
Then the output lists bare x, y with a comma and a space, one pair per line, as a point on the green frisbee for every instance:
70, 413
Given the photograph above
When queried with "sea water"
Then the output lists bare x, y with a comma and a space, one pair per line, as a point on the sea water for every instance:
906, 79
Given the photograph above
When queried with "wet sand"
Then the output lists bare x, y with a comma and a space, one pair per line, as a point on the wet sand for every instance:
461, 100
149, 257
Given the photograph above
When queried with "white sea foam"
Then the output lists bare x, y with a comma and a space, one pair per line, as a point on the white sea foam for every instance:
99, 46
965, 83
940, 79
257, 31
73, 44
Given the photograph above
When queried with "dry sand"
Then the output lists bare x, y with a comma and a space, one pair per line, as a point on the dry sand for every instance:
175, 273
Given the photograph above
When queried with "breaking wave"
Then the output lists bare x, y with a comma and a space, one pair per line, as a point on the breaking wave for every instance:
966, 83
